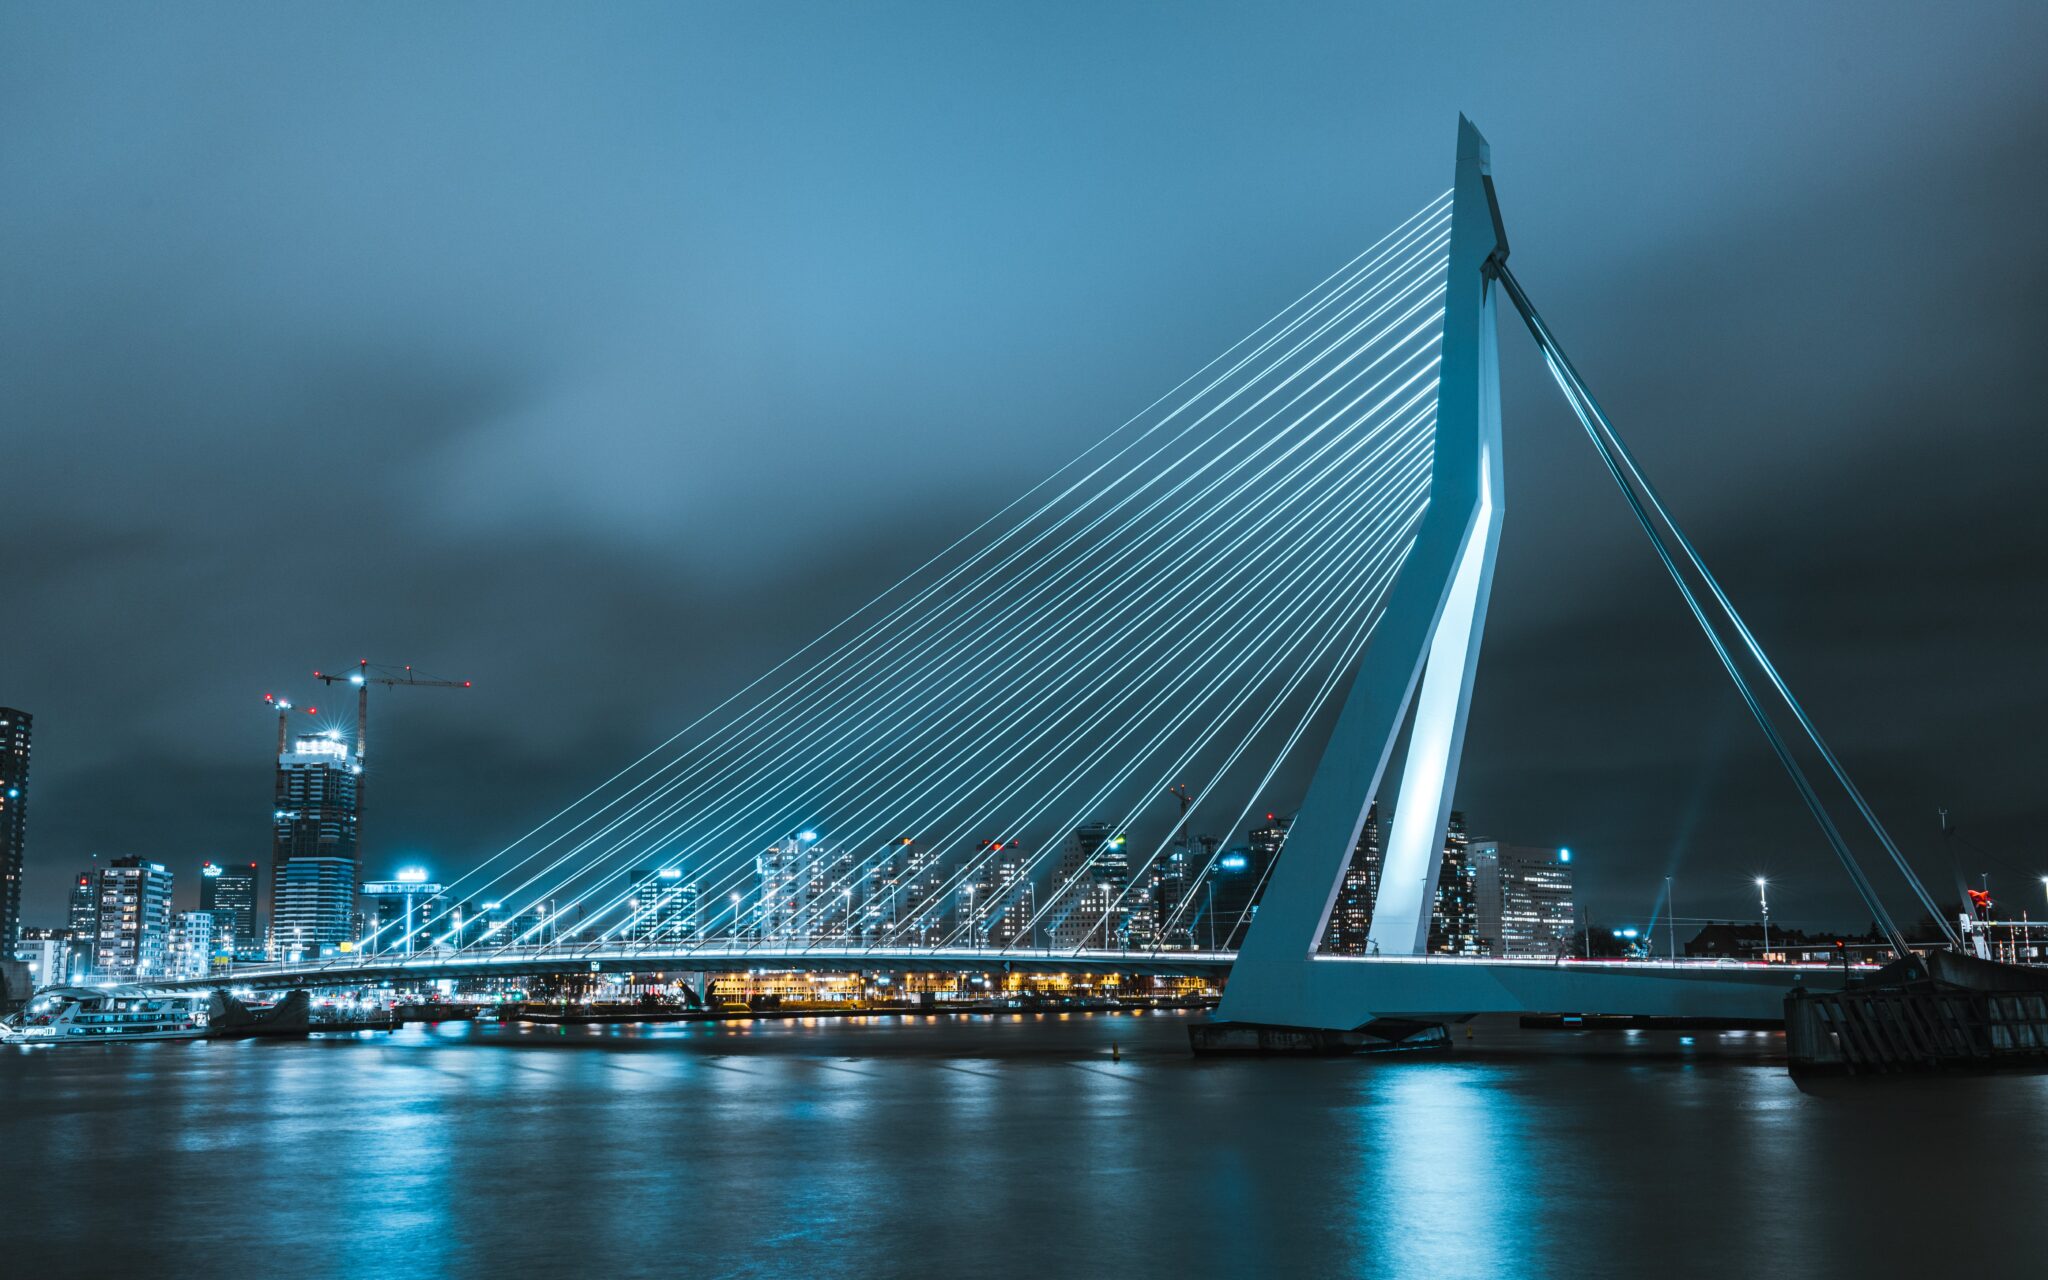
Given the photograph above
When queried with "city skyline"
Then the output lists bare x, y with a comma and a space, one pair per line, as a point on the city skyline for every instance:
1097, 637
1568, 744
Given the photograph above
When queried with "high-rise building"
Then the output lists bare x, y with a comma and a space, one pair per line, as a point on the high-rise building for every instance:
14, 734
229, 892
1454, 916
1351, 915
663, 908
1235, 883
134, 917
84, 920
1003, 901
1523, 899
783, 869
911, 888
1093, 873
195, 940
313, 850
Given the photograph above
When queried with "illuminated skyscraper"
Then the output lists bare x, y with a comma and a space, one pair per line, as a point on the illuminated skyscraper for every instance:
1454, 919
229, 892
1094, 870
663, 908
1351, 916
1004, 901
313, 850
784, 869
1236, 880
134, 916
14, 735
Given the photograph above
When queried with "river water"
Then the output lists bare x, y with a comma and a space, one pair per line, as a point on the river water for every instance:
1034, 1145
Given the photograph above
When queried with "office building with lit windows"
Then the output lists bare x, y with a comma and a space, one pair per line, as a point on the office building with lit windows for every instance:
134, 920
1454, 916
14, 742
313, 850
399, 913
1093, 872
1523, 899
196, 940
1351, 914
229, 892
663, 907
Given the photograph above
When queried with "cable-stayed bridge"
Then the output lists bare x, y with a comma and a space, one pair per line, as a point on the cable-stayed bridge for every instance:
1044, 746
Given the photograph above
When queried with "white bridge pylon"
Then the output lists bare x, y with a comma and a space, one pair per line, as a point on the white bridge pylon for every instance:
1423, 657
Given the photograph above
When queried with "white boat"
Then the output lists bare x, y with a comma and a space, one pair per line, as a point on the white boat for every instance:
102, 1015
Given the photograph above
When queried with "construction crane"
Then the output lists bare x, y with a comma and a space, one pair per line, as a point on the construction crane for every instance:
366, 675
362, 678
284, 712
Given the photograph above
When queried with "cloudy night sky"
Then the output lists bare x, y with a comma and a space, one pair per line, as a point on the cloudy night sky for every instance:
603, 356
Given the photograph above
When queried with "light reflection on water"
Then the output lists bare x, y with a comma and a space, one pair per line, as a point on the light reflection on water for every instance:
993, 1147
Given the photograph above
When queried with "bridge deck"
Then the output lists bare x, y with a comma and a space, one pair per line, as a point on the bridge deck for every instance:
1440, 985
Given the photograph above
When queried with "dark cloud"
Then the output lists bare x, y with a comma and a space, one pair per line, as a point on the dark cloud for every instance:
604, 358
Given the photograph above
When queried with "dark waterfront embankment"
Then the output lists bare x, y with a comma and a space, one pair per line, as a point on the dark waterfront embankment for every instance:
1006, 1145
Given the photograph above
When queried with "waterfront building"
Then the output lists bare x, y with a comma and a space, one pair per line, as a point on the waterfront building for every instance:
1156, 907
916, 916
314, 851
133, 939
1454, 916
1229, 896
1523, 900
663, 908
782, 871
1003, 899
49, 955
84, 920
1093, 872
1237, 879
195, 940
1351, 915
229, 891
399, 912
14, 742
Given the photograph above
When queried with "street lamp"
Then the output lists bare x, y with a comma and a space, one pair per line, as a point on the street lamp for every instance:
1763, 900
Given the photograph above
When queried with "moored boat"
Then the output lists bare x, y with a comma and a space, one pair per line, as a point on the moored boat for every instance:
95, 1015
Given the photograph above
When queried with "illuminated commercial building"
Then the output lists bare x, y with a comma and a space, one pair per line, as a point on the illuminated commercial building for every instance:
1093, 873
783, 869
909, 902
84, 920
1523, 898
133, 938
1003, 899
196, 938
399, 912
1236, 881
229, 892
14, 742
663, 907
48, 953
313, 851
1351, 915
1454, 918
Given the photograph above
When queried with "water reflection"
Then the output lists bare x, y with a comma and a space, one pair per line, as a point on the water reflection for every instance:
1001, 1146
